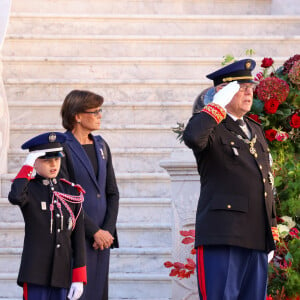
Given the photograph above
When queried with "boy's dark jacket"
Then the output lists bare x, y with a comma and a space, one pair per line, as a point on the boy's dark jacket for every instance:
48, 258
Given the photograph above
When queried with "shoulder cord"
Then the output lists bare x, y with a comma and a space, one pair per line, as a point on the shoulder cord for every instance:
64, 198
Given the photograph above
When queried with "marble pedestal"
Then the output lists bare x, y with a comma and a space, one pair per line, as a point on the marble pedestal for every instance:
185, 191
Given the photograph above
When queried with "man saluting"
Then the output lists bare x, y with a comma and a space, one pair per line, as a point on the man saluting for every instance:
235, 220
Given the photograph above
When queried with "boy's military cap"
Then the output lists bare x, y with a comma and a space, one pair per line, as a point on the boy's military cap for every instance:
238, 71
49, 142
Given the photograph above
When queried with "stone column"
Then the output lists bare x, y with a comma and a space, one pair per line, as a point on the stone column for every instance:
4, 115
185, 191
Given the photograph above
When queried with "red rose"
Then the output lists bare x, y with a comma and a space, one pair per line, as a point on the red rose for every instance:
255, 118
270, 134
271, 106
267, 62
295, 121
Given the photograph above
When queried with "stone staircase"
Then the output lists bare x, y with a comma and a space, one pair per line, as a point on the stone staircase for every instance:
148, 59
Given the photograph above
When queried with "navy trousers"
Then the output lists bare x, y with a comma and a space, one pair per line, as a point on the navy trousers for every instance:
39, 292
231, 273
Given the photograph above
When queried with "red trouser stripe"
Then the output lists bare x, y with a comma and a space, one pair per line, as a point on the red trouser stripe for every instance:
25, 291
201, 272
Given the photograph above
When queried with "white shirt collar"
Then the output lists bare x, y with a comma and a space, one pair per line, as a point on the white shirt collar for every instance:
233, 117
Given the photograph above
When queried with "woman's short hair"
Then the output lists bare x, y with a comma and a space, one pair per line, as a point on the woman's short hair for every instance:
77, 102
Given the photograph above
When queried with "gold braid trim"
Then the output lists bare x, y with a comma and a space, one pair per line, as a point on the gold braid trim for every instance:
216, 111
237, 78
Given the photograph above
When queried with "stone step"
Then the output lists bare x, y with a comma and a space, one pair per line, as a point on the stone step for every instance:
93, 68
136, 136
141, 7
130, 235
154, 45
144, 210
123, 260
130, 185
116, 113
112, 68
129, 160
121, 286
20, 90
141, 24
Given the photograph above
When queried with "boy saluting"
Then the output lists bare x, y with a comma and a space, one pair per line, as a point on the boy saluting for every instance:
53, 258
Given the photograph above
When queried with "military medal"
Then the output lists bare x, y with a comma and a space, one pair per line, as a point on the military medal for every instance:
251, 144
252, 149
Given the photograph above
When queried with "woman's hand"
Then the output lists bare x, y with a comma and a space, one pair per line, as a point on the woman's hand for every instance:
103, 239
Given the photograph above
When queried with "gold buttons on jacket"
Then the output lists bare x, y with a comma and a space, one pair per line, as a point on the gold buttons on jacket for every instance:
260, 166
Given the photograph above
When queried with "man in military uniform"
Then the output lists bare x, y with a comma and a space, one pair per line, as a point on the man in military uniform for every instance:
53, 258
235, 220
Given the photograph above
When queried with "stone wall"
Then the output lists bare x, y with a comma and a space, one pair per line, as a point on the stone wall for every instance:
4, 116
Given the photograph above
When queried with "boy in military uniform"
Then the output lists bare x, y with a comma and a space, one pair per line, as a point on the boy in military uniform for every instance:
53, 258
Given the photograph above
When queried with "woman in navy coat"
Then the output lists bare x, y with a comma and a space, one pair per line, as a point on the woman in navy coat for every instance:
88, 162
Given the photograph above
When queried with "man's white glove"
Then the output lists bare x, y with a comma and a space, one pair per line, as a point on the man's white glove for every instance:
225, 95
32, 156
75, 291
270, 255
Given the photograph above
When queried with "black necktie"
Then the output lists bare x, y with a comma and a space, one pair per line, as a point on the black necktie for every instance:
240, 122
244, 127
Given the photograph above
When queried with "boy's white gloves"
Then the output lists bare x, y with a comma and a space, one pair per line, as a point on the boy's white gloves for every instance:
225, 95
32, 156
75, 291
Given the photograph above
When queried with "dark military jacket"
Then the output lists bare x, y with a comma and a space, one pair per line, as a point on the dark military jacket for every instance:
49, 258
236, 204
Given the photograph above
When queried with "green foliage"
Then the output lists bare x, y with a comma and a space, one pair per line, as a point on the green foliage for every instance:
179, 131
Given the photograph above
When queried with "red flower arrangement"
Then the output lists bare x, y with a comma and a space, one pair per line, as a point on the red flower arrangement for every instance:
276, 106
272, 88
276, 100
